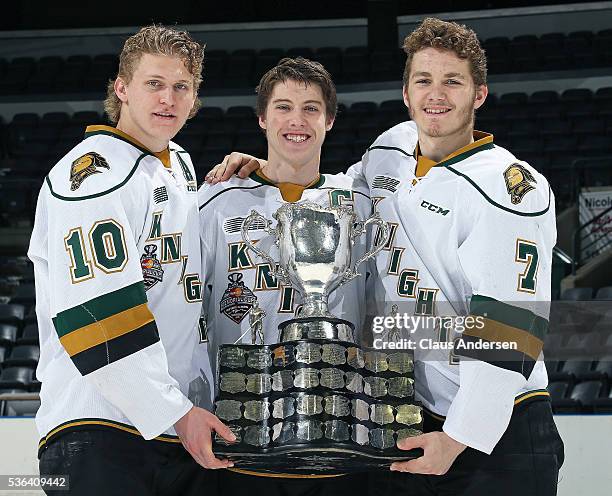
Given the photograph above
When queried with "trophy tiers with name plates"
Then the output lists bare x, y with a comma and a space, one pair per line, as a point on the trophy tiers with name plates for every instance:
317, 401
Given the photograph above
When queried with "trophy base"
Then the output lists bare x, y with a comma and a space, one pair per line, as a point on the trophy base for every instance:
313, 406
316, 328
337, 458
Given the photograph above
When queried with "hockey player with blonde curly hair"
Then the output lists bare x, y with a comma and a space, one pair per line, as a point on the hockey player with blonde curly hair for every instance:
117, 269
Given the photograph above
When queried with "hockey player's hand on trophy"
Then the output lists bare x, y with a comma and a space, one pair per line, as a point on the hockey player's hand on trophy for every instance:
194, 430
234, 163
439, 453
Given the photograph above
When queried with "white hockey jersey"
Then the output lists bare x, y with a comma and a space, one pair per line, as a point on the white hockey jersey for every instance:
117, 261
474, 235
234, 277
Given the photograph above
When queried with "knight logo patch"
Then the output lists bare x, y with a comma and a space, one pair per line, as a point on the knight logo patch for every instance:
152, 271
85, 166
237, 299
518, 182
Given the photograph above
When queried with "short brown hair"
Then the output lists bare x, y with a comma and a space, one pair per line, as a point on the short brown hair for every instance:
445, 35
155, 40
303, 71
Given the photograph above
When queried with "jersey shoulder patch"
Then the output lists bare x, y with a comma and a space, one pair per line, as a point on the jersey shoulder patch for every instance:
519, 181
506, 182
97, 166
84, 166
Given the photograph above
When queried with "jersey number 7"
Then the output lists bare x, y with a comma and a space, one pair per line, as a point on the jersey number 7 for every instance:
527, 253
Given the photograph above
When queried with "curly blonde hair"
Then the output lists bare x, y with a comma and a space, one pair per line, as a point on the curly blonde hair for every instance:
445, 35
155, 40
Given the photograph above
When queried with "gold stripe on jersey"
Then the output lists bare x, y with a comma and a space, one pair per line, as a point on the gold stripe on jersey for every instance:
498, 332
531, 394
104, 330
107, 328
284, 476
163, 156
99, 308
508, 314
505, 325
425, 164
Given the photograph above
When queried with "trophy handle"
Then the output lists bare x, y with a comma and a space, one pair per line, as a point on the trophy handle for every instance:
251, 218
360, 229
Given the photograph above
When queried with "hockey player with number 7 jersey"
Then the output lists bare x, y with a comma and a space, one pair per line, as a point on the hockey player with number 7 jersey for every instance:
472, 236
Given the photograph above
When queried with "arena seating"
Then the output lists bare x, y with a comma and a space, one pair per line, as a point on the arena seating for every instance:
546, 129
242, 68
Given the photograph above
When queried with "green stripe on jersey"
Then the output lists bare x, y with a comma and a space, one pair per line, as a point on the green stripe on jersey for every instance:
509, 315
99, 308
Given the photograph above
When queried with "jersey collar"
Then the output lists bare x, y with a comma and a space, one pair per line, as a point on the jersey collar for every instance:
482, 141
289, 191
163, 156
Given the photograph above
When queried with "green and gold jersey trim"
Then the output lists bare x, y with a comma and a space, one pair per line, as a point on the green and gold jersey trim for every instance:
289, 191
107, 328
163, 156
509, 325
482, 141
96, 424
510, 315
113, 132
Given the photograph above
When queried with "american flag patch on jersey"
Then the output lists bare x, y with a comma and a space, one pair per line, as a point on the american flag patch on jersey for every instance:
384, 182
160, 194
234, 224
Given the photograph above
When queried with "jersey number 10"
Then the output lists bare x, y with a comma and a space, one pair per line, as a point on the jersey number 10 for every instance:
107, 244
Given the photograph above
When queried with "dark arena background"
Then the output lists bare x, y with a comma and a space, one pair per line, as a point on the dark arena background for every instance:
550, 103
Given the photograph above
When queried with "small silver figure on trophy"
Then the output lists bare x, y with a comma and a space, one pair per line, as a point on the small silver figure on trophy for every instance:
394, 334
256, 316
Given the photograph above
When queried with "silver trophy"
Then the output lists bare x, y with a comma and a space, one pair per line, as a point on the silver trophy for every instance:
316, 401
315, 246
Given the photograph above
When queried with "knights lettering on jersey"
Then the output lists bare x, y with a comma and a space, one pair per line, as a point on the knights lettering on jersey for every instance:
239, 257
264, 280
162, 249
